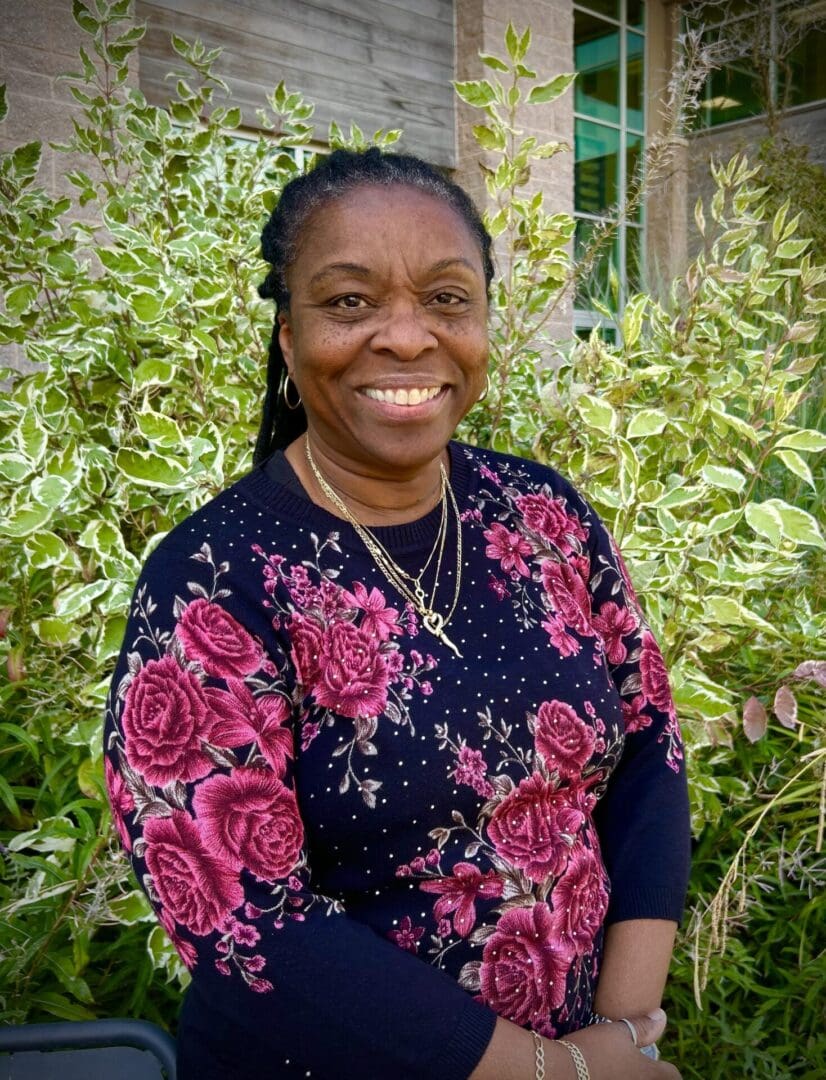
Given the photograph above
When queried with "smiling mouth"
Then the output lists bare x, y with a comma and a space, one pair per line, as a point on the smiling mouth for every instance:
408, 396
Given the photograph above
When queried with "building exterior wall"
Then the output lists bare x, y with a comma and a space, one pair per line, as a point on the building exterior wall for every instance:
480, 27
39, 41
380, 64
805, 125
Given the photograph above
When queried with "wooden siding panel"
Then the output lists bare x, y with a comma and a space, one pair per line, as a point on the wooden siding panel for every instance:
392, 69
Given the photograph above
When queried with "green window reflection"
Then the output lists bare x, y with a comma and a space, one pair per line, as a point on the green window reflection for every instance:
803, 76
598, 281
597, 61
634, 260
633, 165
609, 134
596, 177
635, 81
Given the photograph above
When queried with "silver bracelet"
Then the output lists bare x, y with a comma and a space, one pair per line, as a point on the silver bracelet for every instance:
580, 1064
540, 1055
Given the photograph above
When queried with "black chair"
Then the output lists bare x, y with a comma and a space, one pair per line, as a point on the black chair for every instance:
89, 1050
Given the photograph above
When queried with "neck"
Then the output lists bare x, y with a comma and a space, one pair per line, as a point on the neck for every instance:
372, 499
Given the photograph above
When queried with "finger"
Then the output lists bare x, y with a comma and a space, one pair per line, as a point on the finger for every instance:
649, 1027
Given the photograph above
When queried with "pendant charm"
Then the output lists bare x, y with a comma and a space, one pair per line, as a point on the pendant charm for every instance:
434, 622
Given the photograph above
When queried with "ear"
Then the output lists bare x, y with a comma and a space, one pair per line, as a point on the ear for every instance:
285, 340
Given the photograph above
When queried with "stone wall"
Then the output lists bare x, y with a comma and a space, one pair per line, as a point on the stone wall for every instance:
805, 125
480, 27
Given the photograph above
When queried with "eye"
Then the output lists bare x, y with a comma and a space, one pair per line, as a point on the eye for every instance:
449, 299
349, 302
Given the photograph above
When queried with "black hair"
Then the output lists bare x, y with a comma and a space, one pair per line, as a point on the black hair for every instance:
333, 176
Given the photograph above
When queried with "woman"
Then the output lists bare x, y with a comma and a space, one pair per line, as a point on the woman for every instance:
390, 744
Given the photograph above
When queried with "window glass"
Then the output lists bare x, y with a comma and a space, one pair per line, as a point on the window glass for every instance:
730, 94
605, 7
596, 169
595, 285
633, 162
634, 81
803, 75
636, 13
596, 59
634, 256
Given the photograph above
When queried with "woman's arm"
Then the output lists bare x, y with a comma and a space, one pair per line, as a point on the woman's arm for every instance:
608, 1050
634, 966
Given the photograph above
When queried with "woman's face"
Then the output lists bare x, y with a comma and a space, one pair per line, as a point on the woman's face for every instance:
386, 335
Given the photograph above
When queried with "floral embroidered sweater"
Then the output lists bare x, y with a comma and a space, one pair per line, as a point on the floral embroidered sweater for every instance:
363, 846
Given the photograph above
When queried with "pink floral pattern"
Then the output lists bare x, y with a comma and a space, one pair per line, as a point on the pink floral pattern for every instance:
206, 726
458, 894
211, 636
250, 820
534, 828
345, 647
524, 968
195, 888
540, 537
166, 718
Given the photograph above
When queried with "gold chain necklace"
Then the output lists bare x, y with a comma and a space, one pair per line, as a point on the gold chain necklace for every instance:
398, 578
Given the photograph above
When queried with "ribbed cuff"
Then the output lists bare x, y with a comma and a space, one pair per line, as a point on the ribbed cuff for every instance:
650, 903
466, 1046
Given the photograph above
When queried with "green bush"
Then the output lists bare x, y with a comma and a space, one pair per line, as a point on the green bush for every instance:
151, 343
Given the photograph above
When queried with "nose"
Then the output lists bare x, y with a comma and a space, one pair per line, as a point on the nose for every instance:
405, 331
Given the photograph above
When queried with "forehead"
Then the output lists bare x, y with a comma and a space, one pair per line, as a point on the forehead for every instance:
373, 220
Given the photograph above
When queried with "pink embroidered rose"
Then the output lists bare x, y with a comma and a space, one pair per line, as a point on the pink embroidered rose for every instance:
121, 802
612, 623
508, 547
580, 900
460, 892
305, 636
548, 518
166, 715
654, 676
222, 646
534, 828
195, 888
250, 820
353, 675
378, 620
471, 768
407, 936
563, 739
568, 595
525, 966
247, 719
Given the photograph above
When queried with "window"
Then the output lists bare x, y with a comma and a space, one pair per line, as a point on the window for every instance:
768, 49
609, 135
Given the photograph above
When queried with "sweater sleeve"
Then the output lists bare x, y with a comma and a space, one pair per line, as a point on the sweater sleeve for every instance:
643, 818
199, 766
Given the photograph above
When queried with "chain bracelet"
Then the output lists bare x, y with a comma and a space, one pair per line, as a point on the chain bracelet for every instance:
540, 1056
580, 1064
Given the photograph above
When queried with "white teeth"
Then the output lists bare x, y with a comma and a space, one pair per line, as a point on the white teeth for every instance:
404, 397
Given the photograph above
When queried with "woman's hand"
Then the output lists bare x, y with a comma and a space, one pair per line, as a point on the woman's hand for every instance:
610, 1052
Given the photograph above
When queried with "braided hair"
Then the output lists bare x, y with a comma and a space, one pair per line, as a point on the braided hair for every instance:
333, 176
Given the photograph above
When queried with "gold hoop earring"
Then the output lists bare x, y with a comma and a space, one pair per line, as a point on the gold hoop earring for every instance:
284, 384
486, 391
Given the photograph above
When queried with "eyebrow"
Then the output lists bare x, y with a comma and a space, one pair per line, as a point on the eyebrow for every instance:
357, 270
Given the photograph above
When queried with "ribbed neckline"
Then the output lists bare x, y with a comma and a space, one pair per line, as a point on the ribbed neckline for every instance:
261, 488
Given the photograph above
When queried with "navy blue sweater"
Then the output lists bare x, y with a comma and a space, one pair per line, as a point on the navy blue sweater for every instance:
363, 846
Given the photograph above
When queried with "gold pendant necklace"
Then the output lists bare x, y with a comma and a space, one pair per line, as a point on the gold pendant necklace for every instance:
433, 622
